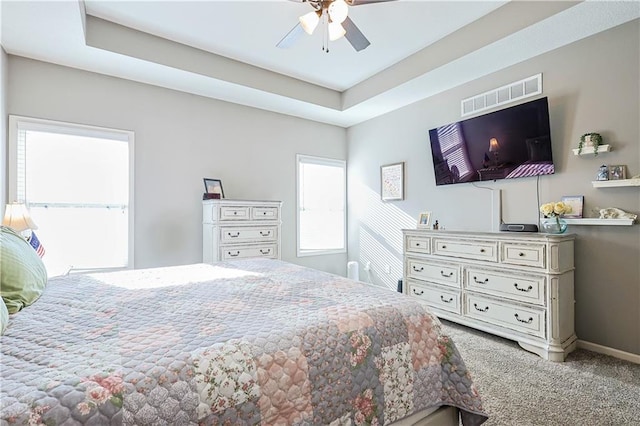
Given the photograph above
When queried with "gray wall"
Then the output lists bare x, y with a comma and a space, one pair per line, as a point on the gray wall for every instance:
592, 85
179, 139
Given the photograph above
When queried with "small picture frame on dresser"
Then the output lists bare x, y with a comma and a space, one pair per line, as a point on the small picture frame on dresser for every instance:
424, 220
213, 186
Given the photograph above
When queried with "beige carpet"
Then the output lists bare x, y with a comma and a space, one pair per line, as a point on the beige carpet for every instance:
519, 388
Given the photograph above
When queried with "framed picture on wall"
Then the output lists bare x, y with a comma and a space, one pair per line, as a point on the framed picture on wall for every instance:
392, 182
213, 186
577, 204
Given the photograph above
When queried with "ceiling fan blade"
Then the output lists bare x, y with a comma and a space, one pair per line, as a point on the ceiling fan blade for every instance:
359, 2
354, 35
291, 37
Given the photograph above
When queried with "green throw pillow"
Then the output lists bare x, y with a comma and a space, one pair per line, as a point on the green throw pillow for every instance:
4, 317
23, 276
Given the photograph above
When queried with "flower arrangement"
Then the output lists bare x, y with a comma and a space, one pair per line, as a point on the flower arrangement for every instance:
555, 209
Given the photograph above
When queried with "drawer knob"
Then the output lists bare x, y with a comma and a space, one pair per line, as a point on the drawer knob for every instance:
529, 321
526, 290
521, 254
481, 250
417, 244
449, 275
235, 213
420, 293
235, 235
444, 246
237, 253
265, 234
445, 300
264, 213
267, 251
416, 269
486, 308
486, 280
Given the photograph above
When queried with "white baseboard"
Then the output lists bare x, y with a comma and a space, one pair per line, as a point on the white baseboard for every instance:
616, 353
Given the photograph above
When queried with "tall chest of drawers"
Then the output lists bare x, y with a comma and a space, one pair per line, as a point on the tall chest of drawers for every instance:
516, 285
234, 229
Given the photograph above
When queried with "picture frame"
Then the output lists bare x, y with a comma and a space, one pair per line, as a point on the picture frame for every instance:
577, 205
424, 220
213, 186
617, 172
392, 182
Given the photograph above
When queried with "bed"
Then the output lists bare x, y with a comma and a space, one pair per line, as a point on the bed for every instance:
253, 341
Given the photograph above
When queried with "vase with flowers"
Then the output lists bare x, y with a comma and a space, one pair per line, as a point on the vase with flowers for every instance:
552, 222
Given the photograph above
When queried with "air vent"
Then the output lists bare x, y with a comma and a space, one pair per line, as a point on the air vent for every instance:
512, 92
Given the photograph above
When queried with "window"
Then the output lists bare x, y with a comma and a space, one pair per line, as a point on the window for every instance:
77, 182
453, 149
321, 205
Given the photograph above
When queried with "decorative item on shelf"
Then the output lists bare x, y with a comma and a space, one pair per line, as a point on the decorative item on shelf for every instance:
617, 172
436, 225
552, 222
576, 202
603, 173
593, 140
615, 213
424, 220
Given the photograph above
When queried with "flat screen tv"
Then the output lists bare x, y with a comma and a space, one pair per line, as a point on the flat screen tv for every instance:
510, 143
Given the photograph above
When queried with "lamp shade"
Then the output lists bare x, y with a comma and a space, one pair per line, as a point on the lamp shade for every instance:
309, 22
17, 217
336, 31
338, 11
494, 145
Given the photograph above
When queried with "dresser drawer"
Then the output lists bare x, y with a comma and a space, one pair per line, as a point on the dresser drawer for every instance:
238, 234
264, 213
523, 319
441, 298
443, 273
234, 213
522, 287
478, 250
524, 254
417, 244
263, 250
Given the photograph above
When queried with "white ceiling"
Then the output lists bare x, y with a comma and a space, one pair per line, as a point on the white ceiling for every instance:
226, 49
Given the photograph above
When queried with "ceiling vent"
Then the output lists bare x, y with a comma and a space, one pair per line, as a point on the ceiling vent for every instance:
512, 92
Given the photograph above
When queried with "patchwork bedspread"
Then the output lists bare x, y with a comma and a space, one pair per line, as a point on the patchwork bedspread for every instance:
245, 342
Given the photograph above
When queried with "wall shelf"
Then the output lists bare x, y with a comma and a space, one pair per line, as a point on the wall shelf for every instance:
597, 221
615, 183
589, 149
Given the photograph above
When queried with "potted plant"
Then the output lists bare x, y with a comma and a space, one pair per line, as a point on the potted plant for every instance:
590, 139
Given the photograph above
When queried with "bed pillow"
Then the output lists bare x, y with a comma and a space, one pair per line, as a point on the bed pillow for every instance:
23, 276
4, 317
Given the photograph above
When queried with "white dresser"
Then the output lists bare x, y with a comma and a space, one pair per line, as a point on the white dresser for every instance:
234, 229
515, 285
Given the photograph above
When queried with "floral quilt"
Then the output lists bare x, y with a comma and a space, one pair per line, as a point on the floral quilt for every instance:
254, 341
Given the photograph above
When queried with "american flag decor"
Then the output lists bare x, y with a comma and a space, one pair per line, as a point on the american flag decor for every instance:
35, 243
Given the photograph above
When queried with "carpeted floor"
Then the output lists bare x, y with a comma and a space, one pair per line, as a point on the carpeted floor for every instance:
519, 388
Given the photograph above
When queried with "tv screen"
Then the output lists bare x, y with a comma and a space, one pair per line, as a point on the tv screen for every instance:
510, 143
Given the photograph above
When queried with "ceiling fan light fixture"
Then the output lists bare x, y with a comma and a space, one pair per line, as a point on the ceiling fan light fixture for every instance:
338, 11
309, 22
336, 31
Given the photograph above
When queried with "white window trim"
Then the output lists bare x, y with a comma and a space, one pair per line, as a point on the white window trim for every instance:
324, 162
17, 122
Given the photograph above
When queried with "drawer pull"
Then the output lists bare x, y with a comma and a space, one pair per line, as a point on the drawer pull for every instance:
265, 234
486, 280
475, 305
529, 321
445, 300
264, 213
236, 235
267, 251
526, 290
417, 244
416, 269
417, 293
444, 246
449, 275
521, 254
235, 213
481, 250
237, 253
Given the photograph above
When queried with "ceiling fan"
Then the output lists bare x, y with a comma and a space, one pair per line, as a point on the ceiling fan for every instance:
333, 15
